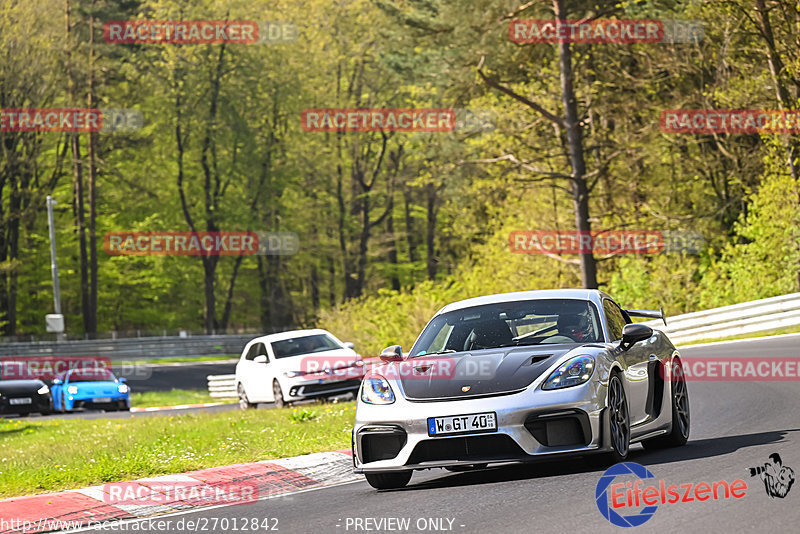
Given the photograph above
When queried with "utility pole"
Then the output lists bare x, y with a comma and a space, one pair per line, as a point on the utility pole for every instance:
55, 322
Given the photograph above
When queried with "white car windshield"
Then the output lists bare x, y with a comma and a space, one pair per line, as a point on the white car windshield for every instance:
304, 345
508, 324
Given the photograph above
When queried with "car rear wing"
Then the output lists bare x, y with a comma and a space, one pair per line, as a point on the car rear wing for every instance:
650, 314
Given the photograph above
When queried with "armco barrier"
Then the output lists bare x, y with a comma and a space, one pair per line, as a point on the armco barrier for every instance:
737, 319
222, 386
133, 348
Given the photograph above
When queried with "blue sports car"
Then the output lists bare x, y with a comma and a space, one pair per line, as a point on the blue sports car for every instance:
90, 388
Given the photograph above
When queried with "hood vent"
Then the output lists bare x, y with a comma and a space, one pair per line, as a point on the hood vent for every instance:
536, 358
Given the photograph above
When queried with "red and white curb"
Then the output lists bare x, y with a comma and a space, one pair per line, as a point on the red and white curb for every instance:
178, 407
86, 506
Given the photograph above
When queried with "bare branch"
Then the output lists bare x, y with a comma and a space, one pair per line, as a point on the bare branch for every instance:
492, 82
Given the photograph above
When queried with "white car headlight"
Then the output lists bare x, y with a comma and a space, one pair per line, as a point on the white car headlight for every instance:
122, 388
291, 374
72, 390
376, 390
573, 372
43, 390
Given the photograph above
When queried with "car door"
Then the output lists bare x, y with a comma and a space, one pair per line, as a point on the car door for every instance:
244, 367
259, 378
269, 371
636, 364
57, 390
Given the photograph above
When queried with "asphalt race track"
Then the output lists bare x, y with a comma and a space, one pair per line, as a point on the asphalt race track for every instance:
164, 377
735, 425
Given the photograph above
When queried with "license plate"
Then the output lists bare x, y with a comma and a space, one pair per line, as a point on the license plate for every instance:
25, 400
102, 399
462, 424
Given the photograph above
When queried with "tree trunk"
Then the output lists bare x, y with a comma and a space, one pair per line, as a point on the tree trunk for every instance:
580, 192
430, 233
80, 223
91, 322
392, 254
411, 234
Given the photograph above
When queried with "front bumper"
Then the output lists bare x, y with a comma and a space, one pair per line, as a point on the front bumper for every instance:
92, 402
531, 425
310, 389
39, 404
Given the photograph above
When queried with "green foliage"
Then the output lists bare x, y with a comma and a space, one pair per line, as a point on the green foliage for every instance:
427, 212
53, 455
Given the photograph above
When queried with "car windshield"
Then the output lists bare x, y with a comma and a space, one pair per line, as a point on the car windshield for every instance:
304, 345
92, 375
508, 324
15, 371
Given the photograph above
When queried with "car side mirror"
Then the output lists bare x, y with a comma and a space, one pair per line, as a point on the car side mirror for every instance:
57, 381
634, 333
261, 358
348, 345
392, 354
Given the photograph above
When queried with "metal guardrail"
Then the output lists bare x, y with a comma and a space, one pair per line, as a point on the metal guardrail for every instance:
133, 348
737, 319
222, 386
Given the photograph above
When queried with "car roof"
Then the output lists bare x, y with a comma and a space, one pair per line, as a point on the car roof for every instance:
291, 334
593, 295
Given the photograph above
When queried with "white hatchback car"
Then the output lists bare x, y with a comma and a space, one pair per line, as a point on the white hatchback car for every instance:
296, 365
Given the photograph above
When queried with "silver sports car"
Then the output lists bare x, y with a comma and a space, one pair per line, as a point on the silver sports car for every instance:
519, 377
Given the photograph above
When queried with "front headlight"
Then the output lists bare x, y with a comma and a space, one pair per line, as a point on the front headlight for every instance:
376, 390
122, 388
72, 390
43, 390
292, 374
573, 372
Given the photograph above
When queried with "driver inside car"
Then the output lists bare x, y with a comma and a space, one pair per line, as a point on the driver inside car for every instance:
576, 326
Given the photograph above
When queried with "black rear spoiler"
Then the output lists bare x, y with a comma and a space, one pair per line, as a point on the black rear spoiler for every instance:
650, 314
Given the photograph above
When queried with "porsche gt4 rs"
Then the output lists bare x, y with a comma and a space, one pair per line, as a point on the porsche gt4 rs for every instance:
520, 377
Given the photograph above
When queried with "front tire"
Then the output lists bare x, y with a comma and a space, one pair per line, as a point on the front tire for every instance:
388, 480
244, 402
681, 420
277, 394
619, 425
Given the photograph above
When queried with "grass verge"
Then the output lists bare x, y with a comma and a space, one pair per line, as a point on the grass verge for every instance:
179, 359
53, 455
173, 397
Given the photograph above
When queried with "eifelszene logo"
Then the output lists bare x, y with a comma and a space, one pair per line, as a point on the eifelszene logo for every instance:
614, 498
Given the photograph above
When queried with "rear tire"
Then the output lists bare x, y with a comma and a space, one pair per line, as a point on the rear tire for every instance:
388, 480
681, 420
244, 402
